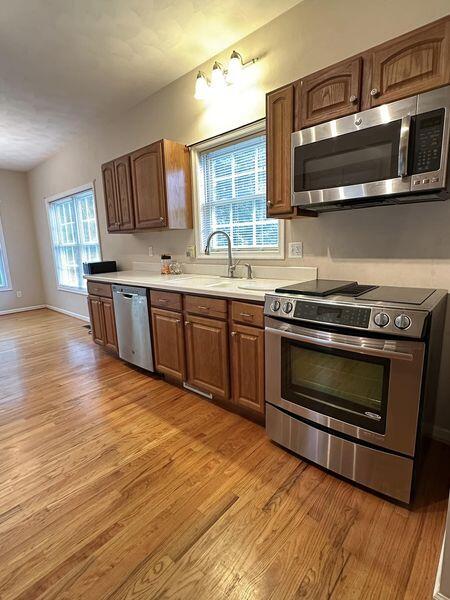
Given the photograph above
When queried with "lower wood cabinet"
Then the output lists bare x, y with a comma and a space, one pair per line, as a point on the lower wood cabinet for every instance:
168, 343
207, 355
247, 357
103, 323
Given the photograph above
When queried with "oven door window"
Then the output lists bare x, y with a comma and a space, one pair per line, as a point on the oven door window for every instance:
350, 159
344, 385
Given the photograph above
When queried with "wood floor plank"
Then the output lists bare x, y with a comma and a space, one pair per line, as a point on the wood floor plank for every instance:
115, 485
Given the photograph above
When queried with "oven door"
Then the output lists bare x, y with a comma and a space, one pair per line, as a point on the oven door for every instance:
359, 156
366, 388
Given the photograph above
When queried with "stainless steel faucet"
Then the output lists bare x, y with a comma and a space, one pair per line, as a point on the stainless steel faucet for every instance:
231, 264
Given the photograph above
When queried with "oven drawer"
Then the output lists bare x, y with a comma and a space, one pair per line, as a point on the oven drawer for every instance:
381, 471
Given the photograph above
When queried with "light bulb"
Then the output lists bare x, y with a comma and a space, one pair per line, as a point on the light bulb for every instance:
201, 86
234, 67
217, 76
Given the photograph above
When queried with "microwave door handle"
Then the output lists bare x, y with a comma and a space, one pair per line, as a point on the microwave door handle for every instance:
359, 348
403, 147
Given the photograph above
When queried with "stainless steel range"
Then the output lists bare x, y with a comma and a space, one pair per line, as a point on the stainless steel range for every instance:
351, 375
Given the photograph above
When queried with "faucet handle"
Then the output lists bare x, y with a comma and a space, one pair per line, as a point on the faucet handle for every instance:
250, 274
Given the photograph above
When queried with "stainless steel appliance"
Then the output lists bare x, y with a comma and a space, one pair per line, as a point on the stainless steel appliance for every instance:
133, 325
391, 154
350, 376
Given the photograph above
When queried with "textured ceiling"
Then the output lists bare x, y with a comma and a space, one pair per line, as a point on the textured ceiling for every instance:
66, 63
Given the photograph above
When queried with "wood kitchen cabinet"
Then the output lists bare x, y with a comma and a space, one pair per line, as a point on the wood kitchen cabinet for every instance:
279, 123
247, 356
149, 188
207, 355
410, 64
328, 94
168, 343
103, 324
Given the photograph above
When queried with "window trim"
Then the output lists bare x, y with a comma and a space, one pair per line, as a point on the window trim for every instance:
48, 200
227, 139
8, 287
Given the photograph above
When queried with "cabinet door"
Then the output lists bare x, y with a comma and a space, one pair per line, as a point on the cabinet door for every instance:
148, 187
329, 94
109, 322
109, 191
207, 355
247, 348
168, 342
280, 121
411, 64
124, 193
96, 318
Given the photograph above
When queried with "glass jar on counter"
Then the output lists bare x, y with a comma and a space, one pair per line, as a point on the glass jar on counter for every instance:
166, 259
175, 268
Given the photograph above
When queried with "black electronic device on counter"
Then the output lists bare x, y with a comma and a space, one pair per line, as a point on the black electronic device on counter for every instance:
102, 266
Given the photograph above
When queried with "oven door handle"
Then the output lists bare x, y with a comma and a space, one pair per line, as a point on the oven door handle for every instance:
404, 146
392, 354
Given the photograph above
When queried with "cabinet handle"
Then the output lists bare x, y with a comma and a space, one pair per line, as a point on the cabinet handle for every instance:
203, 307
233, 333
163, 300
353, 98
247, 315
161, 219
374, 92
187, 323
269, 204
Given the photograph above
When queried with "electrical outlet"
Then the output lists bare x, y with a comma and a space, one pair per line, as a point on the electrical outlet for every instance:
19, 293
190, 251
296, 250
150, 250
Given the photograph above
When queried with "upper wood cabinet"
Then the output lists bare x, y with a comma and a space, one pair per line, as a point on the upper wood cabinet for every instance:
328, 94
124, 193
207, 355
149, 188
280, 123
109, 192
410, 64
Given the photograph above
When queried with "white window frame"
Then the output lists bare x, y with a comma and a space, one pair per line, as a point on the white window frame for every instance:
8, 286
221, 141
48, 201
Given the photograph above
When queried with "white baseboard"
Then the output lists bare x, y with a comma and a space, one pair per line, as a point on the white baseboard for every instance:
24, 309
69, 313
441, 434
437, 595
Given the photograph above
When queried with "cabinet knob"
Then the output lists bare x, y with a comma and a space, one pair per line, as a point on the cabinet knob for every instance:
353, 99
233, 333
161, 219
269, 204
187, 323
374, 92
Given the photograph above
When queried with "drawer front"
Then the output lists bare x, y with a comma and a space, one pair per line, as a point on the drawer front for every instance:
168, 300
99, 289
208, 307
250, 314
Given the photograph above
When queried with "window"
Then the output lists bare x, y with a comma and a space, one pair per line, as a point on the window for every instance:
5, 281
231, 195
74, 232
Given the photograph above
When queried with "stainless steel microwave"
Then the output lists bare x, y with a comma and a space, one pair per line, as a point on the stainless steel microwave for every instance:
395, 153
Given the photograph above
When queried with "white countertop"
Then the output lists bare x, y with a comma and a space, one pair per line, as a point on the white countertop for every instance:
189, 283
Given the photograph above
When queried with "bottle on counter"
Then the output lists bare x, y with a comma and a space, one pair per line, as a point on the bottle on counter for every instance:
165, 264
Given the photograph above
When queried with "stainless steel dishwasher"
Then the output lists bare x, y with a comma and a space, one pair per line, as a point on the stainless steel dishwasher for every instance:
133, 325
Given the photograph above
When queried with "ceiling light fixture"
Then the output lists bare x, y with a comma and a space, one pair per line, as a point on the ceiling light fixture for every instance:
221, 77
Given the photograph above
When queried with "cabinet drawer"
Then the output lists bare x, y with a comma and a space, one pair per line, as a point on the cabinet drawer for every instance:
169, 300
211, 307
99, 289
250, 314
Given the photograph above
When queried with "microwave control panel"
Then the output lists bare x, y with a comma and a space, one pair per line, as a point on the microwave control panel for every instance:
427, 132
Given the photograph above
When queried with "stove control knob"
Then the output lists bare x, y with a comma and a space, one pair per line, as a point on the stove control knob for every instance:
275, 305
381, 319
402, 321
287, 307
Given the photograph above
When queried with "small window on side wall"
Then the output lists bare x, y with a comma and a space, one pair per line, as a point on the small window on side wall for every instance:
74, 236
230, 195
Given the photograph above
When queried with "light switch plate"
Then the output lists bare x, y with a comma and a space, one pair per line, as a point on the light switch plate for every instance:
295, 250
190, 251
150, 250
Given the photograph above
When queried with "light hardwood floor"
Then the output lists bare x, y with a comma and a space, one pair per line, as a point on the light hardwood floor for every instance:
116, 485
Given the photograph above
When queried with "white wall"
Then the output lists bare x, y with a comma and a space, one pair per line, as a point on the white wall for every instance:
21, 246
407, 245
